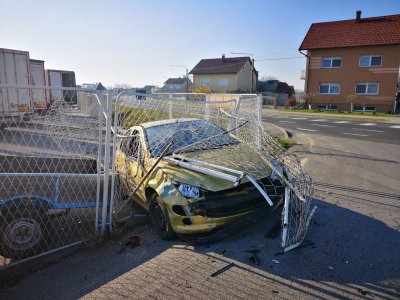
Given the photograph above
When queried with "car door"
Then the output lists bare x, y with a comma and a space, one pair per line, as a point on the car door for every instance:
130, 162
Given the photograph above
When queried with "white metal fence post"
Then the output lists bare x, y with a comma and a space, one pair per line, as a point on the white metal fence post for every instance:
207, 106
113, 157
259, 119
99, 153
170, 105
106, 162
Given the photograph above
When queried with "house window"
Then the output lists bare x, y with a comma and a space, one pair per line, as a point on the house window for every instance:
364, 108
327, 107
370, 61
367, 88
329, 88
205, 82
332, 62
223, 82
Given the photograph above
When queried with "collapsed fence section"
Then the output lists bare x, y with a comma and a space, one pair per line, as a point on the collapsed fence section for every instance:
224, 142
51, 170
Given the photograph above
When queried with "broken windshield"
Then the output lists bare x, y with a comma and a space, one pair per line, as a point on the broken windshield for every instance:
188, 136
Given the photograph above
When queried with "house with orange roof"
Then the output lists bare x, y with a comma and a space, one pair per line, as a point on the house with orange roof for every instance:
353, 64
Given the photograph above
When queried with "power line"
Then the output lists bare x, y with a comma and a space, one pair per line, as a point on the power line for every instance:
280, 58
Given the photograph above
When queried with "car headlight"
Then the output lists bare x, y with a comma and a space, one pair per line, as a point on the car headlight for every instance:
188, 191
278, 167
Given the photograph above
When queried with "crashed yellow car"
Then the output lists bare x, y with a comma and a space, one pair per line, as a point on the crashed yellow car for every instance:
193, 177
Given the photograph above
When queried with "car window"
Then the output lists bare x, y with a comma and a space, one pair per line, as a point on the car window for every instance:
188, 135
130, 145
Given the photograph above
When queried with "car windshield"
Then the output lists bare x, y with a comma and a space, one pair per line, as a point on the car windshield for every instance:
187, 136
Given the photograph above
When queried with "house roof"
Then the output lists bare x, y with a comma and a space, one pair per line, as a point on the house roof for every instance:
221, 65
375, 31
176, 81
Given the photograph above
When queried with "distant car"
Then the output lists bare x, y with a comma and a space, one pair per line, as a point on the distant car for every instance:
192, 193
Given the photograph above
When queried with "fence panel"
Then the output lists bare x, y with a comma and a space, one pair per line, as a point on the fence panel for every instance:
50, 173
222, 137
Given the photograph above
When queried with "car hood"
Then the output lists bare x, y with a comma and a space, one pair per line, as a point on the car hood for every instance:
237, 157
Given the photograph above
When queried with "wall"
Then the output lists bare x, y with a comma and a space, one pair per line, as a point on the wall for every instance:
214, 82
350, 73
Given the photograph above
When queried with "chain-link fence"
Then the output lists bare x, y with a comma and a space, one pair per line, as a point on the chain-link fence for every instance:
196, 162
50, 170
200, 163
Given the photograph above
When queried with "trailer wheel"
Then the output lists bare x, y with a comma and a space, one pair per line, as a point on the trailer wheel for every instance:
23, 232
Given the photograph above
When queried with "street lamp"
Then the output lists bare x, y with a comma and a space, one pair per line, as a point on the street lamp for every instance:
187, 78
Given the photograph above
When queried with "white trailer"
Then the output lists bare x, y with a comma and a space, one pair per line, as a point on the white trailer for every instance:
15, 104
61, 78
38, 78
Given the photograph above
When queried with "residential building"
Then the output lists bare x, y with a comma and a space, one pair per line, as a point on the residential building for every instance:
226, 74
177, 85
353, 57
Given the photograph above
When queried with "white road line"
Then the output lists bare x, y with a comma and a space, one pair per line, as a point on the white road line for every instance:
395, 126
299, 118
355, 134
318, 120
287, 122
342, 122
367, 124
306, 129
322, 125
372, 130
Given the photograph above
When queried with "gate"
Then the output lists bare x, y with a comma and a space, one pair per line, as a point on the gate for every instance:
52, 176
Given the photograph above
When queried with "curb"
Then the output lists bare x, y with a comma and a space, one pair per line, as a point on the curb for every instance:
283, 131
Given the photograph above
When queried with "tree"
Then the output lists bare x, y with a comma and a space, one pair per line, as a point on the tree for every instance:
309, 98
350, 99
268, 77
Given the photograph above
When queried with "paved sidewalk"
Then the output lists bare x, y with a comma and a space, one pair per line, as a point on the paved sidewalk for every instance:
392, 120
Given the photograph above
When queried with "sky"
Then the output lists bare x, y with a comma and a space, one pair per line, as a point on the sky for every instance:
144, 42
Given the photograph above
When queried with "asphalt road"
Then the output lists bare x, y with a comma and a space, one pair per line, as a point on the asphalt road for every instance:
350, 128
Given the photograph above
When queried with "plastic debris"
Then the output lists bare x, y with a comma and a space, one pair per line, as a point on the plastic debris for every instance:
275, 261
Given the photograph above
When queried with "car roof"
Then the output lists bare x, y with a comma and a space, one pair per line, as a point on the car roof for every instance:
165, 122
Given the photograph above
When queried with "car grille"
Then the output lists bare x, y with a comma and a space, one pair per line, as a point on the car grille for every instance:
243, 198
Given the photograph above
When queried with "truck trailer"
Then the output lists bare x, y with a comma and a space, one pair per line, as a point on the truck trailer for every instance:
39, 96
59, 79
15, 104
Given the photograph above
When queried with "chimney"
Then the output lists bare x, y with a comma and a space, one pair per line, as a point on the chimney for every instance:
223, 57
358, 16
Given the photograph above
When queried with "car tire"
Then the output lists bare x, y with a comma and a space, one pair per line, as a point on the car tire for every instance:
160, 219
23, 232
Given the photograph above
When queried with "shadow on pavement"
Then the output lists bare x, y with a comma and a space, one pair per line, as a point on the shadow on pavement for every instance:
346, 254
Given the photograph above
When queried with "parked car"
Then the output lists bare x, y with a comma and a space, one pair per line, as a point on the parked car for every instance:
183, 172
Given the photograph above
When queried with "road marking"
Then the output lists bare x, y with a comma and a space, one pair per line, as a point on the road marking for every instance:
306, 129
342, 122
357, 134
318, 120
299, 118
373, 130
367, 124
322, 125
395, 126
287, 122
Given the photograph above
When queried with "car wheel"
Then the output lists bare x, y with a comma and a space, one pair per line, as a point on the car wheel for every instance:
159, 218
23, 232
